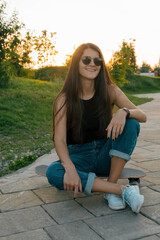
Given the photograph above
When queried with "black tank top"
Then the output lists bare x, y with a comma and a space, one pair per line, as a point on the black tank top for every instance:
90, 122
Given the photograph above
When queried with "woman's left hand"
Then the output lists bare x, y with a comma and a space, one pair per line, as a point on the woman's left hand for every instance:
117, 124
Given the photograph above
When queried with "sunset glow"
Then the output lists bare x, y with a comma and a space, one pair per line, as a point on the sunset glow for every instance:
105, 23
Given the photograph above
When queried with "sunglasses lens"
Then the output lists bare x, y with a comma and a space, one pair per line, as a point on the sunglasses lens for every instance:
98, 61
86, 60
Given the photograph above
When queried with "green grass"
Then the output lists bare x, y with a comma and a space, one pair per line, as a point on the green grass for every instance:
142, 84
26, 120
137, 100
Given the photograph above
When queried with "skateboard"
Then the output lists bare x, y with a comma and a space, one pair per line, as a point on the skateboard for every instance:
132, 174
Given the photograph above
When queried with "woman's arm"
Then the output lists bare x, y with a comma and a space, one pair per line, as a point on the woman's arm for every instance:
117, 123
121, 101
71, 178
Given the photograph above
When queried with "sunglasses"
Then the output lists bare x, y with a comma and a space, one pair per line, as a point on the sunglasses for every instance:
87, 59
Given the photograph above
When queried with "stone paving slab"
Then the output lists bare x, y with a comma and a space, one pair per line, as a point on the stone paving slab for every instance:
73, 231
133, 164
18, 200
125, 225
153, 212
151, 197
142, 156
144, 183
67, 211
156, 188
154, 147
155, 141
139, 150
30, 235
153, 177
51, 194
153, 237
152, 166
97, 205
26, 184
151, 136
24, 220
142, 143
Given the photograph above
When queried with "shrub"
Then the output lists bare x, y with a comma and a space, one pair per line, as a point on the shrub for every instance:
51, 73
29, 73
22, 162
4, 74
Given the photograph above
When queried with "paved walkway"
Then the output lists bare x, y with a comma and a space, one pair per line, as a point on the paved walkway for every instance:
31, 209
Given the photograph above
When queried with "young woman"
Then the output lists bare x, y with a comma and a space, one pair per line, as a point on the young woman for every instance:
88, 138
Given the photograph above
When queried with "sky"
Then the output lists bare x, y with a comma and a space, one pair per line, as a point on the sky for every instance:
103, 22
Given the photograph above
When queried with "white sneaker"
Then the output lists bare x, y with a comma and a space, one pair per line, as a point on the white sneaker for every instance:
132, 198
115, 202
136, 188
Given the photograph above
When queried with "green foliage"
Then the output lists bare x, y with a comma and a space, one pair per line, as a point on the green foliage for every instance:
157, 69
45, 47
51, 73
123, 63
14, 49
29, 73
4, 74
68, 59
22, 162
145, 68
142, 84
17, 50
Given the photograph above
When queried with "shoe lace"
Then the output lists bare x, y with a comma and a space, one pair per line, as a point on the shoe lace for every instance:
126, 196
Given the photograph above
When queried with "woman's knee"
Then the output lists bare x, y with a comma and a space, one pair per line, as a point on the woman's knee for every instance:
132, 126
126, 142
55, 174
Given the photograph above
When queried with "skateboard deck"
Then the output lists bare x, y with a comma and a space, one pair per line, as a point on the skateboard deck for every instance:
132, 174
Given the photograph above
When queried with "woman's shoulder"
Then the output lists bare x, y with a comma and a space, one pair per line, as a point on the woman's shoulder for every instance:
112, 90
115, 93
59, 102
60, 99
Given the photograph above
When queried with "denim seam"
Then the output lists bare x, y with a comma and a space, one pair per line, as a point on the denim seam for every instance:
119, 154
89, 184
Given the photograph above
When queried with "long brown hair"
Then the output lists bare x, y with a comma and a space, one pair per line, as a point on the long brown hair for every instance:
72, 89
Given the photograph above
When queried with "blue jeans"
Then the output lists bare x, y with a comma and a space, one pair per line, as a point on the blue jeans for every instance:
94, 158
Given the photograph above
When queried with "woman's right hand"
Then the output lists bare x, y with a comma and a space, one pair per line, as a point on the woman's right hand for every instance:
72, 182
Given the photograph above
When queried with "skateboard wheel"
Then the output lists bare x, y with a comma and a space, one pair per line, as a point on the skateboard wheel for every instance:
134, 181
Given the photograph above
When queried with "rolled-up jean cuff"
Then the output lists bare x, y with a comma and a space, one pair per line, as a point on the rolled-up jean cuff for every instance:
89, 184
119, 154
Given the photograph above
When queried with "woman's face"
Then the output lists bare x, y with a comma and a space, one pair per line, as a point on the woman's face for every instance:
89, 70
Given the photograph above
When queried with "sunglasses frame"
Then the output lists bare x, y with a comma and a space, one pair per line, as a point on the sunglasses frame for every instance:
87, 59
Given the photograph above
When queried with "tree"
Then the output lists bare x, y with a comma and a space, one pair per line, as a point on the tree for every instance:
14, 50
145, 68
157, 68
123, 63
68, 60
44, 45
6, 29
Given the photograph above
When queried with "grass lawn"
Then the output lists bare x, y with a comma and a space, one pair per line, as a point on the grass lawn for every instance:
26, 121
142, 84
